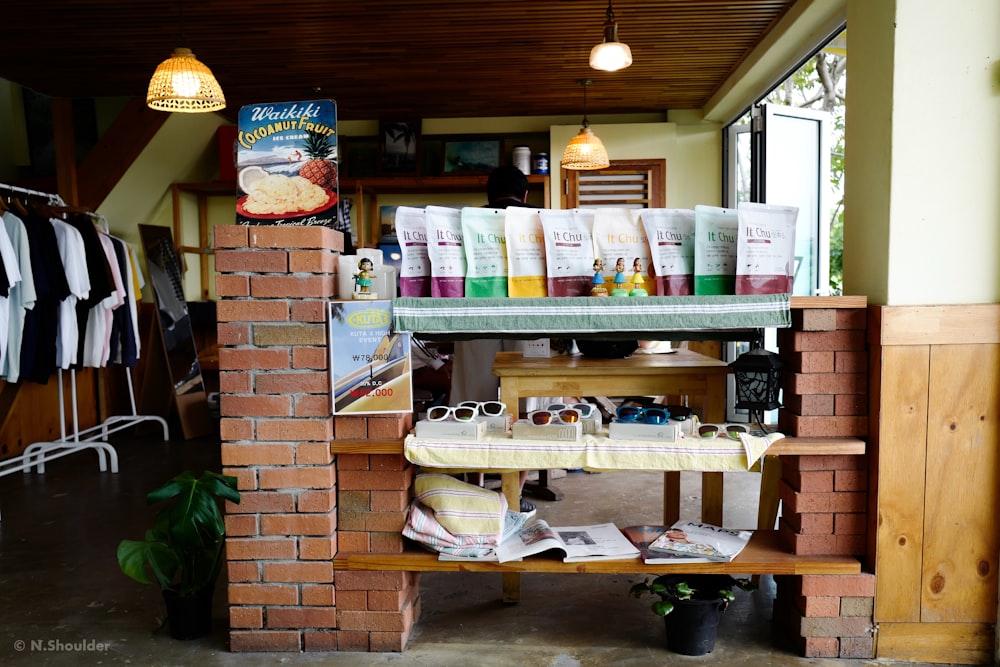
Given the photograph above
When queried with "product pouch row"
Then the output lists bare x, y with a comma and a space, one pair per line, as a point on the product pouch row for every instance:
528, 252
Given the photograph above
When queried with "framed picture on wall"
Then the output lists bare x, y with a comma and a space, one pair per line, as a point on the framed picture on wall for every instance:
471, 156
399, 144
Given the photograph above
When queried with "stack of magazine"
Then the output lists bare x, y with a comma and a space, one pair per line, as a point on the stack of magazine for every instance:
573, 544
689, 541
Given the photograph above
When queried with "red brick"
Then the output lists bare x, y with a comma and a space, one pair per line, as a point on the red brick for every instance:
324, 500
844, 585
812, 341
353, 640
312, 406
389, 501
302, 237
319, 595
308, 572
853, 523
857, 606
232, 285
814, 319
353, 461
371, 581
384, 621
230, 236
352, 600
388, 642
857, 647
806, 545
353, 541
850, 480
815, 481
242, 571
819, 523
797, 425
824, 383
247, 359
236, 429
819, 647
826, 462
320, 641
241, 525
255, 502
309, 358
385, 522
352, 521
313, 453
260, 549
391, 427
850, 404
811, 362
387, 600
350, 428
235, 382
288, 334
298, 524
810, 405
301, 617
388, 543
263, 594
251, 261
836, 627
852, 318
314, 477
291, 287
854, 545
803, 502
232, 405
388, 461
846, 361
312, 261
246, 478
293, 382
820, 606
233, 333
295, 429
384, 480
306, 310
317, 548
246, 617
272, 641
256, 454
251, 311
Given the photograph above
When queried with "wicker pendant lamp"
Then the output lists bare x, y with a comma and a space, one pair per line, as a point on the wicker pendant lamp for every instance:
184, 84
585, 150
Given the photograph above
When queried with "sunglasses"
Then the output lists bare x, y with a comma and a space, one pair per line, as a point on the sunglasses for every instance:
488, 408
438, 413
726, 430
585, 409
678, 412
543, 417
635, 413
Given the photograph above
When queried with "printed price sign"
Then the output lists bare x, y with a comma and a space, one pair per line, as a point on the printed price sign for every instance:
369, 364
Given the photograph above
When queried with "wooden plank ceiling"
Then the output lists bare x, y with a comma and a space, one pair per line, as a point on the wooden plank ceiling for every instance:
392, 59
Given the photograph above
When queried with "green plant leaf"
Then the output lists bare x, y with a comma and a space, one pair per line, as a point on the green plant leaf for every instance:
663, 607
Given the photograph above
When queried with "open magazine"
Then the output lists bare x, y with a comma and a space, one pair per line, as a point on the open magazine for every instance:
572, 543
692, 538
643, 536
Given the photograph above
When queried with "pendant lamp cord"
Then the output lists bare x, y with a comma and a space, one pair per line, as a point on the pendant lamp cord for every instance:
585, 83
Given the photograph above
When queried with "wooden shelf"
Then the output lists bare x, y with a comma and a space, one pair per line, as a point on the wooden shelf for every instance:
789, 446
763, 555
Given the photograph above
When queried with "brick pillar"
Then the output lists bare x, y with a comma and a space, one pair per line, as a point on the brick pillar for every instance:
273, 285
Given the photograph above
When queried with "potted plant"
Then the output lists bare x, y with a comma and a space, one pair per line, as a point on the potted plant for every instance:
691, 606
182, 552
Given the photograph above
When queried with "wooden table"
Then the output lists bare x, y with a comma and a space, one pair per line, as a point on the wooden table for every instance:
682, 372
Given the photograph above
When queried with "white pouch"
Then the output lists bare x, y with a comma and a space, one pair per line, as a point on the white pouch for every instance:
415, 265
765, 248
485, 243
715, 232
525, 252
568, 245
446, 251
671, 246
618, 235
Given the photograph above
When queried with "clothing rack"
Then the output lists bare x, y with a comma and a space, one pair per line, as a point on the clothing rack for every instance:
37, 454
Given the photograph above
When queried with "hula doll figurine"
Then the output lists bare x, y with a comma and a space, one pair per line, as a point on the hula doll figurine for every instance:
363, 280
598, 289
637, 279
620, 281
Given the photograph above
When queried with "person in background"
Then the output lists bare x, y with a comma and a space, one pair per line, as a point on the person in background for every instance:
472, 376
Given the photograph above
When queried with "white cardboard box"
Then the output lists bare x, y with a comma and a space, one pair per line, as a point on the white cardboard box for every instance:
631, 431
541, 349
497, 423
525, 430
451, 430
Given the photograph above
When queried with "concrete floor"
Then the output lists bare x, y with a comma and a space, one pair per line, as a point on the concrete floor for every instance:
61, 589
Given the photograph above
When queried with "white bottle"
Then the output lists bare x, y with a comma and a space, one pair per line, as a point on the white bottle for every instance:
522, 159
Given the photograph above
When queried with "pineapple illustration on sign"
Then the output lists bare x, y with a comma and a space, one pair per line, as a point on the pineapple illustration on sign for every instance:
319, 168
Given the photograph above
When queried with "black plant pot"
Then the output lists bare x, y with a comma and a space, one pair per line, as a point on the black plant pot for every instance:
693, 625
189, 616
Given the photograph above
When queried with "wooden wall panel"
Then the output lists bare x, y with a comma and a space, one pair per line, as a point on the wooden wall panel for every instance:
961, 532
952, 643
902, 452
